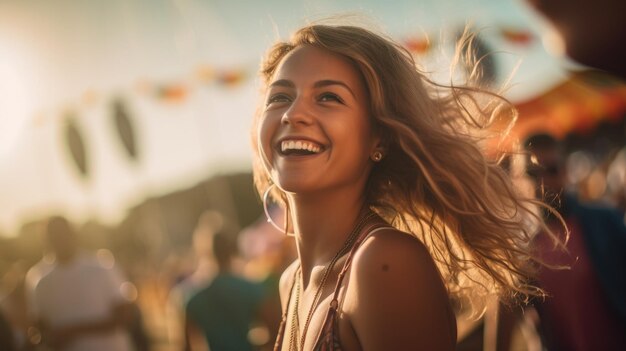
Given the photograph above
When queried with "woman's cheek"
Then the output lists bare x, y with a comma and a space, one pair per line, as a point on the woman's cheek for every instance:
266, 132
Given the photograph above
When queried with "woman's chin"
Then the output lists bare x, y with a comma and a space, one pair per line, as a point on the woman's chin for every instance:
296, 186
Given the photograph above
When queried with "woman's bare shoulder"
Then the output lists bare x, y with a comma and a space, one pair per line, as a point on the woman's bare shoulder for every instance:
397, 294
389, 246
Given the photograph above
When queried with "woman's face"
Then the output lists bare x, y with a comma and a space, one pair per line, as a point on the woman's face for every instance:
315, 132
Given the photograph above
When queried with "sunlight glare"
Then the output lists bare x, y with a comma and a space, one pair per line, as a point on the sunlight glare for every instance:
15, 93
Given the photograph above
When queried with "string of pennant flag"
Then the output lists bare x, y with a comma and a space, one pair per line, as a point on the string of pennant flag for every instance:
232, 77
227, 78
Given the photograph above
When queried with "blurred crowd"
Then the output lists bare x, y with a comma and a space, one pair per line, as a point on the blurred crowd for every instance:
222, 291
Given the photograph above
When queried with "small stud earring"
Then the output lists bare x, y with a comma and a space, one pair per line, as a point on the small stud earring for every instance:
377, 156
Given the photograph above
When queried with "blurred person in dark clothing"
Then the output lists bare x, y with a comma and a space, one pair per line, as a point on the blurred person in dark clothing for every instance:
222, 313
7, 338
79, 304
586, 304
593, 32
14, 321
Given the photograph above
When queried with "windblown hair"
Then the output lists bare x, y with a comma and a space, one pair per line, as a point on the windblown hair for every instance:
435, 180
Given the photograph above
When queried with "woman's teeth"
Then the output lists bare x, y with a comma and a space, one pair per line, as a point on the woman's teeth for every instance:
299, 145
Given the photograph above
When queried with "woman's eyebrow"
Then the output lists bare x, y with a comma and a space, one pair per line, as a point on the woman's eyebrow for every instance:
283, 83
319, 84
327, 82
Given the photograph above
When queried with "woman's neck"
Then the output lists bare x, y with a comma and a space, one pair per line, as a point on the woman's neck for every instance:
322, 222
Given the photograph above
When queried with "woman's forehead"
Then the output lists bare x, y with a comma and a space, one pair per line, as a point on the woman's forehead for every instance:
308, 62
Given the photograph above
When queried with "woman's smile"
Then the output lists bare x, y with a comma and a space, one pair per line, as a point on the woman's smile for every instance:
299, 147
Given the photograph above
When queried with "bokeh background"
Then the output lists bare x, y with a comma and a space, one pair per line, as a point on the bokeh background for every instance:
132, 118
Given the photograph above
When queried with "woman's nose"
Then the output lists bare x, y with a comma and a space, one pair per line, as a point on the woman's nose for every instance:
298, 113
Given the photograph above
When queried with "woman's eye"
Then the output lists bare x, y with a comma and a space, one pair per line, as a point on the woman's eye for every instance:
330, 97
277, 98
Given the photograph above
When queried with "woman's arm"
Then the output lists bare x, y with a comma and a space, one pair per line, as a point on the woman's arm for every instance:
396, 299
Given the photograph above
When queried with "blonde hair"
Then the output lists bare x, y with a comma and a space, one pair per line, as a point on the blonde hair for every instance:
434, 181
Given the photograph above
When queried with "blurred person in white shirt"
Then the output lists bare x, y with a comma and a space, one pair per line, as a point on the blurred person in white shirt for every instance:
80, 304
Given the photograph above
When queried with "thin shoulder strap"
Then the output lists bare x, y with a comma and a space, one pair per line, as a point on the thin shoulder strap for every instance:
373, 228
283, 321
328, 328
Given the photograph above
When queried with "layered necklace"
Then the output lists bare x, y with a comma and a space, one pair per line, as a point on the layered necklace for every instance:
296, 343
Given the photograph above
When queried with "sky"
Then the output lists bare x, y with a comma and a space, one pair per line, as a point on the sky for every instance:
61, 58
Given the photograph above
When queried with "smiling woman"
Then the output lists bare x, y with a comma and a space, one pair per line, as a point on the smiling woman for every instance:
393, 206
